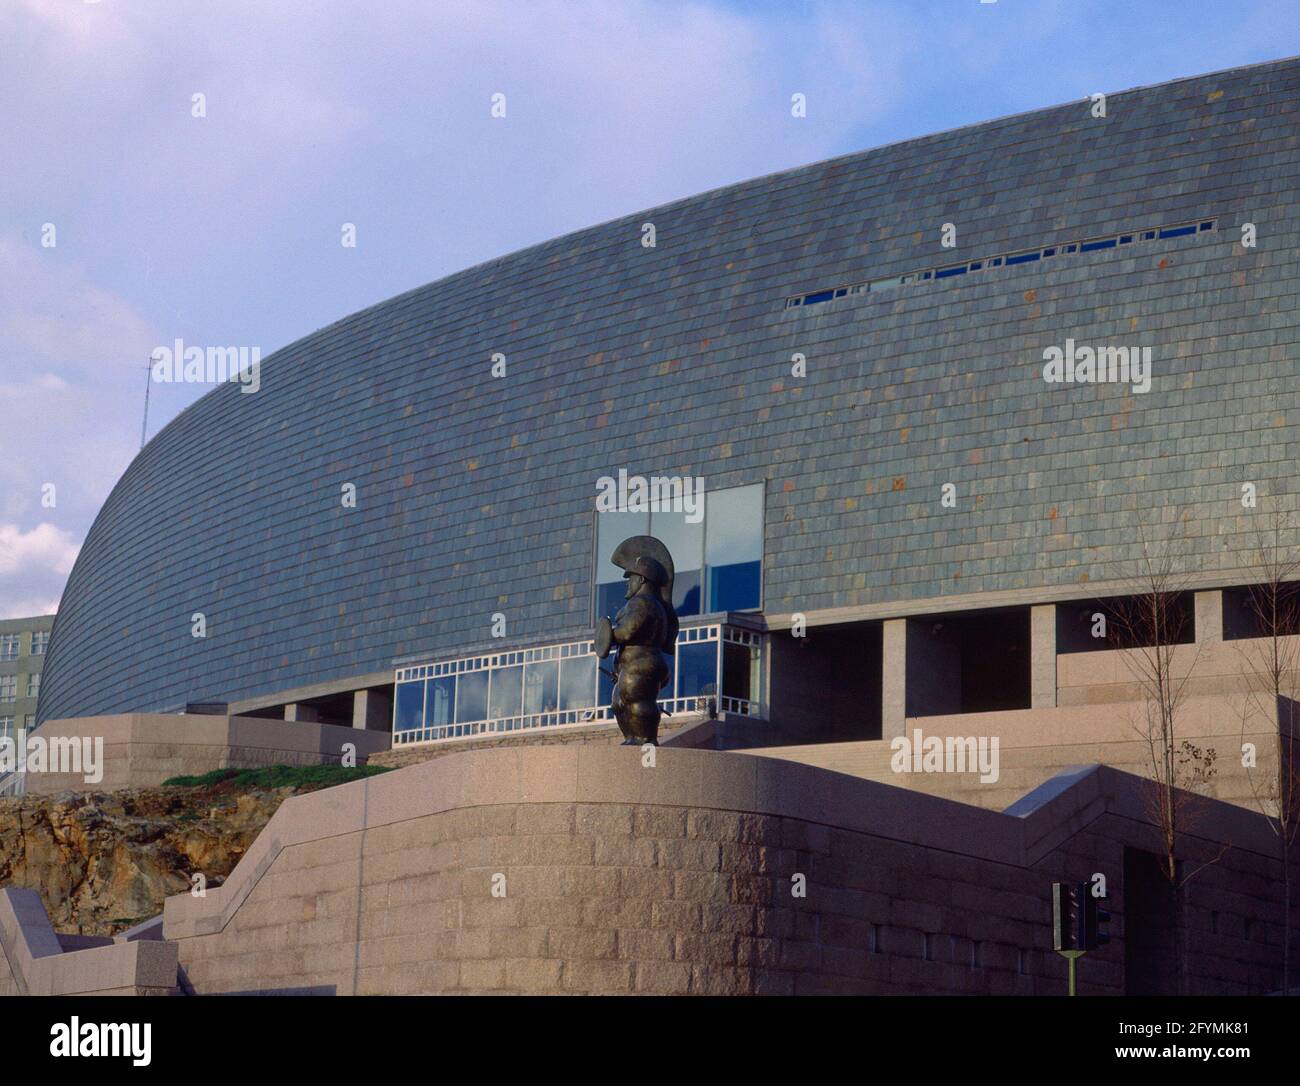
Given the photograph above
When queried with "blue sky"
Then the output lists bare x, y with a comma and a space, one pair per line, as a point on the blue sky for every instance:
226, 229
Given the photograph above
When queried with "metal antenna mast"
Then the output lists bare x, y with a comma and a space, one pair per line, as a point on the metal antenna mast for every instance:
148, 380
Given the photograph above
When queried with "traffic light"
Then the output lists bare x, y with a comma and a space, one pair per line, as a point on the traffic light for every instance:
1066, 916
1095, 919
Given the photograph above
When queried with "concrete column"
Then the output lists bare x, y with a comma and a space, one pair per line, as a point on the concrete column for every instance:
306, 713
1209, 616
893, 678
372, 710
1042, 656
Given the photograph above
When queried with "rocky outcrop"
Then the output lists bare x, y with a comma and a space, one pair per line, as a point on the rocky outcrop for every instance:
103, 862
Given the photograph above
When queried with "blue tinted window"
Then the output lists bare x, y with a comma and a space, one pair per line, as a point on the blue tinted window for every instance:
439, 700
944, 273
410, 706
542, 687
1207, 225
733, 548
685, 542
820, 296
697, 667
1177, 231
1022, 258
577, 682
506, 693
1105, 243
471, 697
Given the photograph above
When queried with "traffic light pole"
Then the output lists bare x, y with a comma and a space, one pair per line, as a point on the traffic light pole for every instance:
1072, 956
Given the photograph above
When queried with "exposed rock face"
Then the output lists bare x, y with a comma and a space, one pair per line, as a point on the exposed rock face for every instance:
102, 862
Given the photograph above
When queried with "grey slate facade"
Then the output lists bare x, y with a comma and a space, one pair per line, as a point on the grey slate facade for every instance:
475, 494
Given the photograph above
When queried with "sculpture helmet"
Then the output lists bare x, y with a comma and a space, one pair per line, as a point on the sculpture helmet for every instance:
648, 568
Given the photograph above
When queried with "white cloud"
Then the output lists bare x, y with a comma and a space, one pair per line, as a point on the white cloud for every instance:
43, 548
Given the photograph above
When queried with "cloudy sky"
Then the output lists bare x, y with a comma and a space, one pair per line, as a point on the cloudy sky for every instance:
225, 229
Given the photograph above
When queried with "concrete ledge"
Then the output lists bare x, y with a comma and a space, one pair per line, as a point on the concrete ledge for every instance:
143, 750
685, 778
39, 962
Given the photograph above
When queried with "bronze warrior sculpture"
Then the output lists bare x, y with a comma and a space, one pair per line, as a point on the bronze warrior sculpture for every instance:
642, 633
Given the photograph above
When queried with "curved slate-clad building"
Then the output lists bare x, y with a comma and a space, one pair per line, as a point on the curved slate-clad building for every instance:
923, 365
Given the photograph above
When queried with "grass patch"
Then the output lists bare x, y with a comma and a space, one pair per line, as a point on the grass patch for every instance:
277, 776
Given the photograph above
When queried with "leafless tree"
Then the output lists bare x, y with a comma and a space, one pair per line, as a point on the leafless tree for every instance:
1153, 627
1272, 669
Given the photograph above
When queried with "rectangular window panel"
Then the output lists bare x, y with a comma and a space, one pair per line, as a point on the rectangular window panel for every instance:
1177, 231
611, 530
40, 642
542, 687
578, 682
471, 697
1092, 246
507, 693
733, 548
820, 296
740, 671
439, 701
410, 706
1022, 258
697, 668
8, 646
34, 685
685, 542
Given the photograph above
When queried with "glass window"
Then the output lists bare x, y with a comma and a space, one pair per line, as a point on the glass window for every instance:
471, 697
6, 727
8, 646
685, 542
733, 549
542, 686
611, 530
29, 721
8, 687
34, 685
439, 701
578, 682
697, 667
40, 642
506, 694
410, 706
740, 671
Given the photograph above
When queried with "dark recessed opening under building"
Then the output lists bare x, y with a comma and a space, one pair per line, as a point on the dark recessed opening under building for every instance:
1253, 611
968, 663
825, 687
1124, 622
